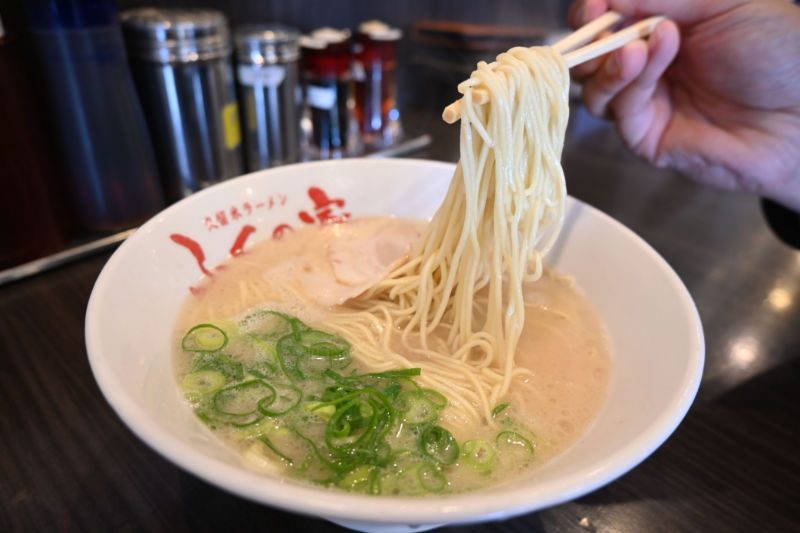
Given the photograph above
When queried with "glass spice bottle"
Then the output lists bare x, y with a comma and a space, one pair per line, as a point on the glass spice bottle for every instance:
374, 74
327, 86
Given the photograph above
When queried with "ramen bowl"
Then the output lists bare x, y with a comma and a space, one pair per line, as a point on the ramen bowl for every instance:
653, 325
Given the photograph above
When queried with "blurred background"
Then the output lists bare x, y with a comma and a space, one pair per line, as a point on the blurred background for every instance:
112, 109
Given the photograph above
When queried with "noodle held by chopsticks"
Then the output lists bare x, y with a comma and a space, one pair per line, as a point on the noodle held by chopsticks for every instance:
502, 214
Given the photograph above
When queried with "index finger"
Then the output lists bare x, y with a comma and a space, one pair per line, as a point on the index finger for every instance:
681, 11
584, 11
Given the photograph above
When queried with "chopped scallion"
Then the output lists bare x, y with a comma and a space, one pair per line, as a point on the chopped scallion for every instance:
204, 338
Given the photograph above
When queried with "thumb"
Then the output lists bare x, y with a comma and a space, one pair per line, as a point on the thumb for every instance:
684, 12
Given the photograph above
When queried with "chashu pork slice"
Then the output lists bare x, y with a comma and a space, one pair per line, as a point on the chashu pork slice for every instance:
341, 261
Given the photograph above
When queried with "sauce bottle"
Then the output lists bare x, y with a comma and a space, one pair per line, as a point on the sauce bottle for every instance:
327, 85
374, 73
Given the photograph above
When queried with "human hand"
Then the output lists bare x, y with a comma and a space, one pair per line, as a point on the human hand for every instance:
726, 111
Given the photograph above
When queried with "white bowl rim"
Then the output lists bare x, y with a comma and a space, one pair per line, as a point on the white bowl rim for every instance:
504, 502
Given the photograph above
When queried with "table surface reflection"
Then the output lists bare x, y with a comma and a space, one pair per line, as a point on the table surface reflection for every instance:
68, 462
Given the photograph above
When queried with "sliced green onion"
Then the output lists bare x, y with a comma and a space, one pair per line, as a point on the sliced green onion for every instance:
511, 440
499, 408
222, 363
435, 397
312, 353
322, 409
313, 366
383, 454
286, 397
323, 344
269, 444
358, 479
350, 423
268, 349
322, 457
406, 483
207, 419
393, 390
290, 353
439, 444
374, 487
262, 370
245, 421
480, 454
431, 477
372, 433
204, 338
399, 373
268, 325
244, 398
416, 408
203, 381
403, 475
261, 426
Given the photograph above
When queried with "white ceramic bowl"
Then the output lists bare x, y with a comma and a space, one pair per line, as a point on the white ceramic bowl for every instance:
655, 331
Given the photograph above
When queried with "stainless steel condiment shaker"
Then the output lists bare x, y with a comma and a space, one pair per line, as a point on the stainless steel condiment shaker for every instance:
181, 60
267, 78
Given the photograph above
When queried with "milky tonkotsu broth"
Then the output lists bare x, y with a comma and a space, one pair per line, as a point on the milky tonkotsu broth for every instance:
310, 272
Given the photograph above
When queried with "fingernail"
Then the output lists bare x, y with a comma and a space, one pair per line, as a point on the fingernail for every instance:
612, 65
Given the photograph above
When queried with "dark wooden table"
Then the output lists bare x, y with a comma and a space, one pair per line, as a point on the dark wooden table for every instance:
68, 463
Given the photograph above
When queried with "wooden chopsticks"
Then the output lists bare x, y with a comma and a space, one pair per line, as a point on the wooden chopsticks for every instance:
573, 55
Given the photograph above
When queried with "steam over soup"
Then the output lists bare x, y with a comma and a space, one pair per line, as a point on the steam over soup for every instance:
268, 358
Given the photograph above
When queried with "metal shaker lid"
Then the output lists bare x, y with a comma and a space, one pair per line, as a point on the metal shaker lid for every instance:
267, 44
176, 35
